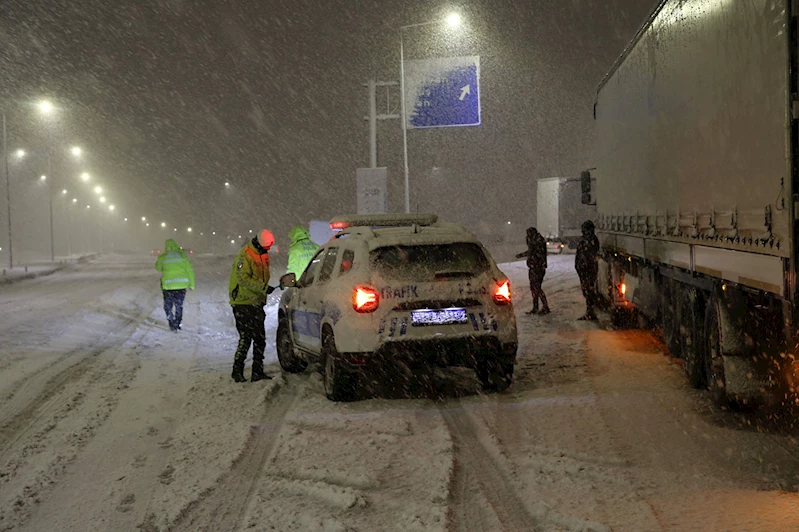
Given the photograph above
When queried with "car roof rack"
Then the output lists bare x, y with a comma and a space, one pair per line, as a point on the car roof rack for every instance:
382, 220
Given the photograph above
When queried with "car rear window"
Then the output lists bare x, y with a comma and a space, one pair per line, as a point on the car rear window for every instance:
429, 262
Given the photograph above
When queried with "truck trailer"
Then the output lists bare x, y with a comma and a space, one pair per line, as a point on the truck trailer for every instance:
696, 190
560, 211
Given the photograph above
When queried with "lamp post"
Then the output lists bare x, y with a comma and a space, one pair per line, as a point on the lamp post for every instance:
8, 193
453, 20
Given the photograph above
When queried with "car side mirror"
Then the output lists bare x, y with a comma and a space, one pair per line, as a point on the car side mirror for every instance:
288, 281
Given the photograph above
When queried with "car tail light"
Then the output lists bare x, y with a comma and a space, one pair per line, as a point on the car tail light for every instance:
365, 299
502, 293
338, 226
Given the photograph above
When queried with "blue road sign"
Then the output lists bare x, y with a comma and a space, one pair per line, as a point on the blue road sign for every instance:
442, 92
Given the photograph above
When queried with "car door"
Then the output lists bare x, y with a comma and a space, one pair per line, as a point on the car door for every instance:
302, 319
314, 297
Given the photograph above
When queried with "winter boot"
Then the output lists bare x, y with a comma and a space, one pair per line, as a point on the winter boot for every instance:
545, 311
258, 372
238, 372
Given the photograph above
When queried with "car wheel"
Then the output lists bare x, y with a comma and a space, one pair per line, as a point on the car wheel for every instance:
285, 350
494, 375
339, 383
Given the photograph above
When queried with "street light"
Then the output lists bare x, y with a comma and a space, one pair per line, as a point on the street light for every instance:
64, 192
84, 176
163, 224
102, 199
111, 207
43, 178
147, 224
189, 229
74, 200
98, 190
46, 107
126, 219
20, 154
453, 20
76, 151
143, 218
227, 184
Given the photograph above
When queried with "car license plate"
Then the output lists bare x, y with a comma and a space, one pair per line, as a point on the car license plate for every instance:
439, 317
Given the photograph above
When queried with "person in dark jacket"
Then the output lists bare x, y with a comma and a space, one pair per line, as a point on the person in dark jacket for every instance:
536, 255
586, 262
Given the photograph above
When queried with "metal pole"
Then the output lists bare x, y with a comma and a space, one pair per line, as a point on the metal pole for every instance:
69, 228
8, 193
372, 124
50, 193
404, 125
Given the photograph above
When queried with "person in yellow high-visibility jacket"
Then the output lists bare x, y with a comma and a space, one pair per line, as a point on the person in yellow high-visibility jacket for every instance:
176, 276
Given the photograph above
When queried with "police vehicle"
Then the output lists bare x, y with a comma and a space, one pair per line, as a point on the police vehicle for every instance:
397, 288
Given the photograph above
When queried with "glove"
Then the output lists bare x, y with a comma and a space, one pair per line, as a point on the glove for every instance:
269, 289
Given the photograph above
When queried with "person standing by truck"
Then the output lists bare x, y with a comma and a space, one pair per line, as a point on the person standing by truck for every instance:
536, 255
586, 262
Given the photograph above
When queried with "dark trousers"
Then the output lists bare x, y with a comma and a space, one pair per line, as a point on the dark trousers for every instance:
536, 278
588, 286
174, 298
250, 325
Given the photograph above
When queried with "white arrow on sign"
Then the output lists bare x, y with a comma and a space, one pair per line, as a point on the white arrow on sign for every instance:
464, 91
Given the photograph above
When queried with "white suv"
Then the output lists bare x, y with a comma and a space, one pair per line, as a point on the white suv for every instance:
394, 288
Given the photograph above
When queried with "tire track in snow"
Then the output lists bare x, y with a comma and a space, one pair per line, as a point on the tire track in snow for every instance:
223, 507
497, 490
28, 400
29, 480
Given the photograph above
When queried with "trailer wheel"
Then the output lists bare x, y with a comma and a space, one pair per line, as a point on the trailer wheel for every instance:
714, 360
669, 318
691, 338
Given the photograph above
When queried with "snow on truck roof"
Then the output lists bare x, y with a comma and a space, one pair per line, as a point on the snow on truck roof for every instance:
400, 229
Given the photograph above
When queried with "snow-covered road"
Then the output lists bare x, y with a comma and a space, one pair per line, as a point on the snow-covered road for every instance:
110, 422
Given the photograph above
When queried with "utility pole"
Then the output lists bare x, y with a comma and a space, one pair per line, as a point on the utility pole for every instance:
373, 117
8, 192
50, 194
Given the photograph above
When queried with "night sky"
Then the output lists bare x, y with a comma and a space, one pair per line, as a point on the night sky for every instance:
172, 98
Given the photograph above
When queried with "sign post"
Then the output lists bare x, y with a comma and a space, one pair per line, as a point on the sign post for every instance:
372, 190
